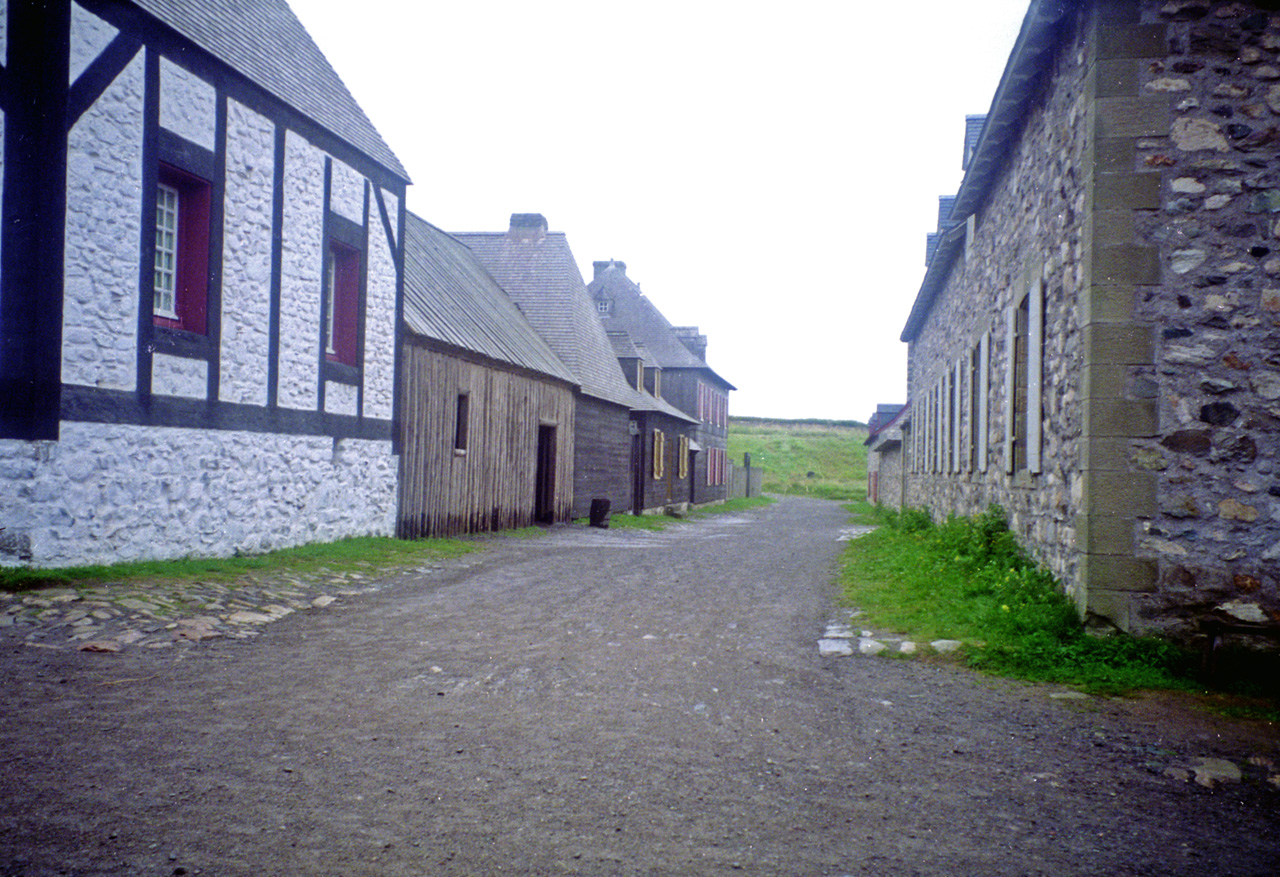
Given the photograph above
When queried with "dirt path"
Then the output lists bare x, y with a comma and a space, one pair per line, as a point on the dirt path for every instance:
599, 703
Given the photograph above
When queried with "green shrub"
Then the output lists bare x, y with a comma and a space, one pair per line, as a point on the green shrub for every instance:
969, 579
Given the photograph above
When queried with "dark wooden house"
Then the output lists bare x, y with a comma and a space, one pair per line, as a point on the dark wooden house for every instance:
537, 269
664, 448
676, 372
487, 407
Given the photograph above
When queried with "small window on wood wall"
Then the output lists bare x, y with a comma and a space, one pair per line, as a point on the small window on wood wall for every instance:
659, 454
682, 465
462, 423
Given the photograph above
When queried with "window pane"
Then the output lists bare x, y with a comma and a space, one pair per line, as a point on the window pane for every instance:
165, 301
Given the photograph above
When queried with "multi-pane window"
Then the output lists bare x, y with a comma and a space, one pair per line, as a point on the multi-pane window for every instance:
180, 268
682, 465
659, 453
166, 275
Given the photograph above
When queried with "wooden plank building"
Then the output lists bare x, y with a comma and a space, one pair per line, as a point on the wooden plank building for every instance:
675, 372
537, 268
487, 407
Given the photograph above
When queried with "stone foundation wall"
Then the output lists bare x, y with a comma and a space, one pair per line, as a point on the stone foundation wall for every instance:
109, 493
1215, 534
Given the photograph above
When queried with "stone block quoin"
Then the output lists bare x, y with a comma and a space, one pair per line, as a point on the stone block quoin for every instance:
1114, 342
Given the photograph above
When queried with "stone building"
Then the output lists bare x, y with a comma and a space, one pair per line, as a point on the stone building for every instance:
1096, 342
675, 370
885, 472
199, 286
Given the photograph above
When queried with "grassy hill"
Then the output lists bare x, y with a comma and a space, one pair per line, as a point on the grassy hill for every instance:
820, 458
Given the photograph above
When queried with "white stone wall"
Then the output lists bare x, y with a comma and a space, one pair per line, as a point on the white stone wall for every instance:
380, 320
341, 398
106, 493
111, 493
89, 36
346, 192
179, 376
303, 236
104, 179
188, 105
246, 257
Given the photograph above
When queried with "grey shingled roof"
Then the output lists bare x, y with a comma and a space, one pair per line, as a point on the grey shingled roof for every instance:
538, 271
623, 346
264, 40
449, 297
995, 137
633, 313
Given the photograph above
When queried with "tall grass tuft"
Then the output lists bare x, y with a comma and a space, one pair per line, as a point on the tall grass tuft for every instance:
968, 579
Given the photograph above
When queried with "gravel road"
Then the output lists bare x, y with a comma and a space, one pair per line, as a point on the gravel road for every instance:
603, 702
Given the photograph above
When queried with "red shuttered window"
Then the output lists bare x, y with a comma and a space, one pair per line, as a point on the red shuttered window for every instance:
181, 288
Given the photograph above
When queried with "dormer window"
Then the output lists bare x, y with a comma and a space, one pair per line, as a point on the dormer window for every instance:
604, 307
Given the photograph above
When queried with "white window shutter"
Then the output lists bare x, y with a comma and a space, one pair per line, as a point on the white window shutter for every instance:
1035, 373
957, 397
1010, 389
984, 395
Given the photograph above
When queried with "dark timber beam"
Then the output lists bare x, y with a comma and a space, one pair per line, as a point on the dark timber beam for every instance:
33, 217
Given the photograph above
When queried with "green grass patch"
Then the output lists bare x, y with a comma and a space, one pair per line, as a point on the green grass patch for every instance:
968, 579
861, 512
362, 554
827, 460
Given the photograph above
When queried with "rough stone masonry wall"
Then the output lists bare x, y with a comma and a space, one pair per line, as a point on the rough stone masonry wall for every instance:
1030, 229
1215, 535
106, 493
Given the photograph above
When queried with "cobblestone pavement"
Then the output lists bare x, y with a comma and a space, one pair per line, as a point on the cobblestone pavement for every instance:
109, 617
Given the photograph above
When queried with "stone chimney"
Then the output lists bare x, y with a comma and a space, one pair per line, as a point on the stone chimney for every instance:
695, 343
601, 267
528, 226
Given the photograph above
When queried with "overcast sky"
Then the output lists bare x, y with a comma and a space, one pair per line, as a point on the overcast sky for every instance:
767, 171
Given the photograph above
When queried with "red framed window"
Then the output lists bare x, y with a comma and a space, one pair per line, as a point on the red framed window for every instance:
342, 302
181, 287
715, 466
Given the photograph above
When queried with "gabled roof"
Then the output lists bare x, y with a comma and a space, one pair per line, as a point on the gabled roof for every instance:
449, 297
888, 429
995, 136
633, 313
623, 346
264, 40
537, 269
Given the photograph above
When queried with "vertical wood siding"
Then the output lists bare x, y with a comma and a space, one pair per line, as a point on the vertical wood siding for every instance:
492, 485
602, 465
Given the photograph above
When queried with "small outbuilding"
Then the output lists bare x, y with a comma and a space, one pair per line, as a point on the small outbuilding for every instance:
487, 428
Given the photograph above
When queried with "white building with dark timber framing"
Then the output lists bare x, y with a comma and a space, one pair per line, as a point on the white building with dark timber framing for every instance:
200, 286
